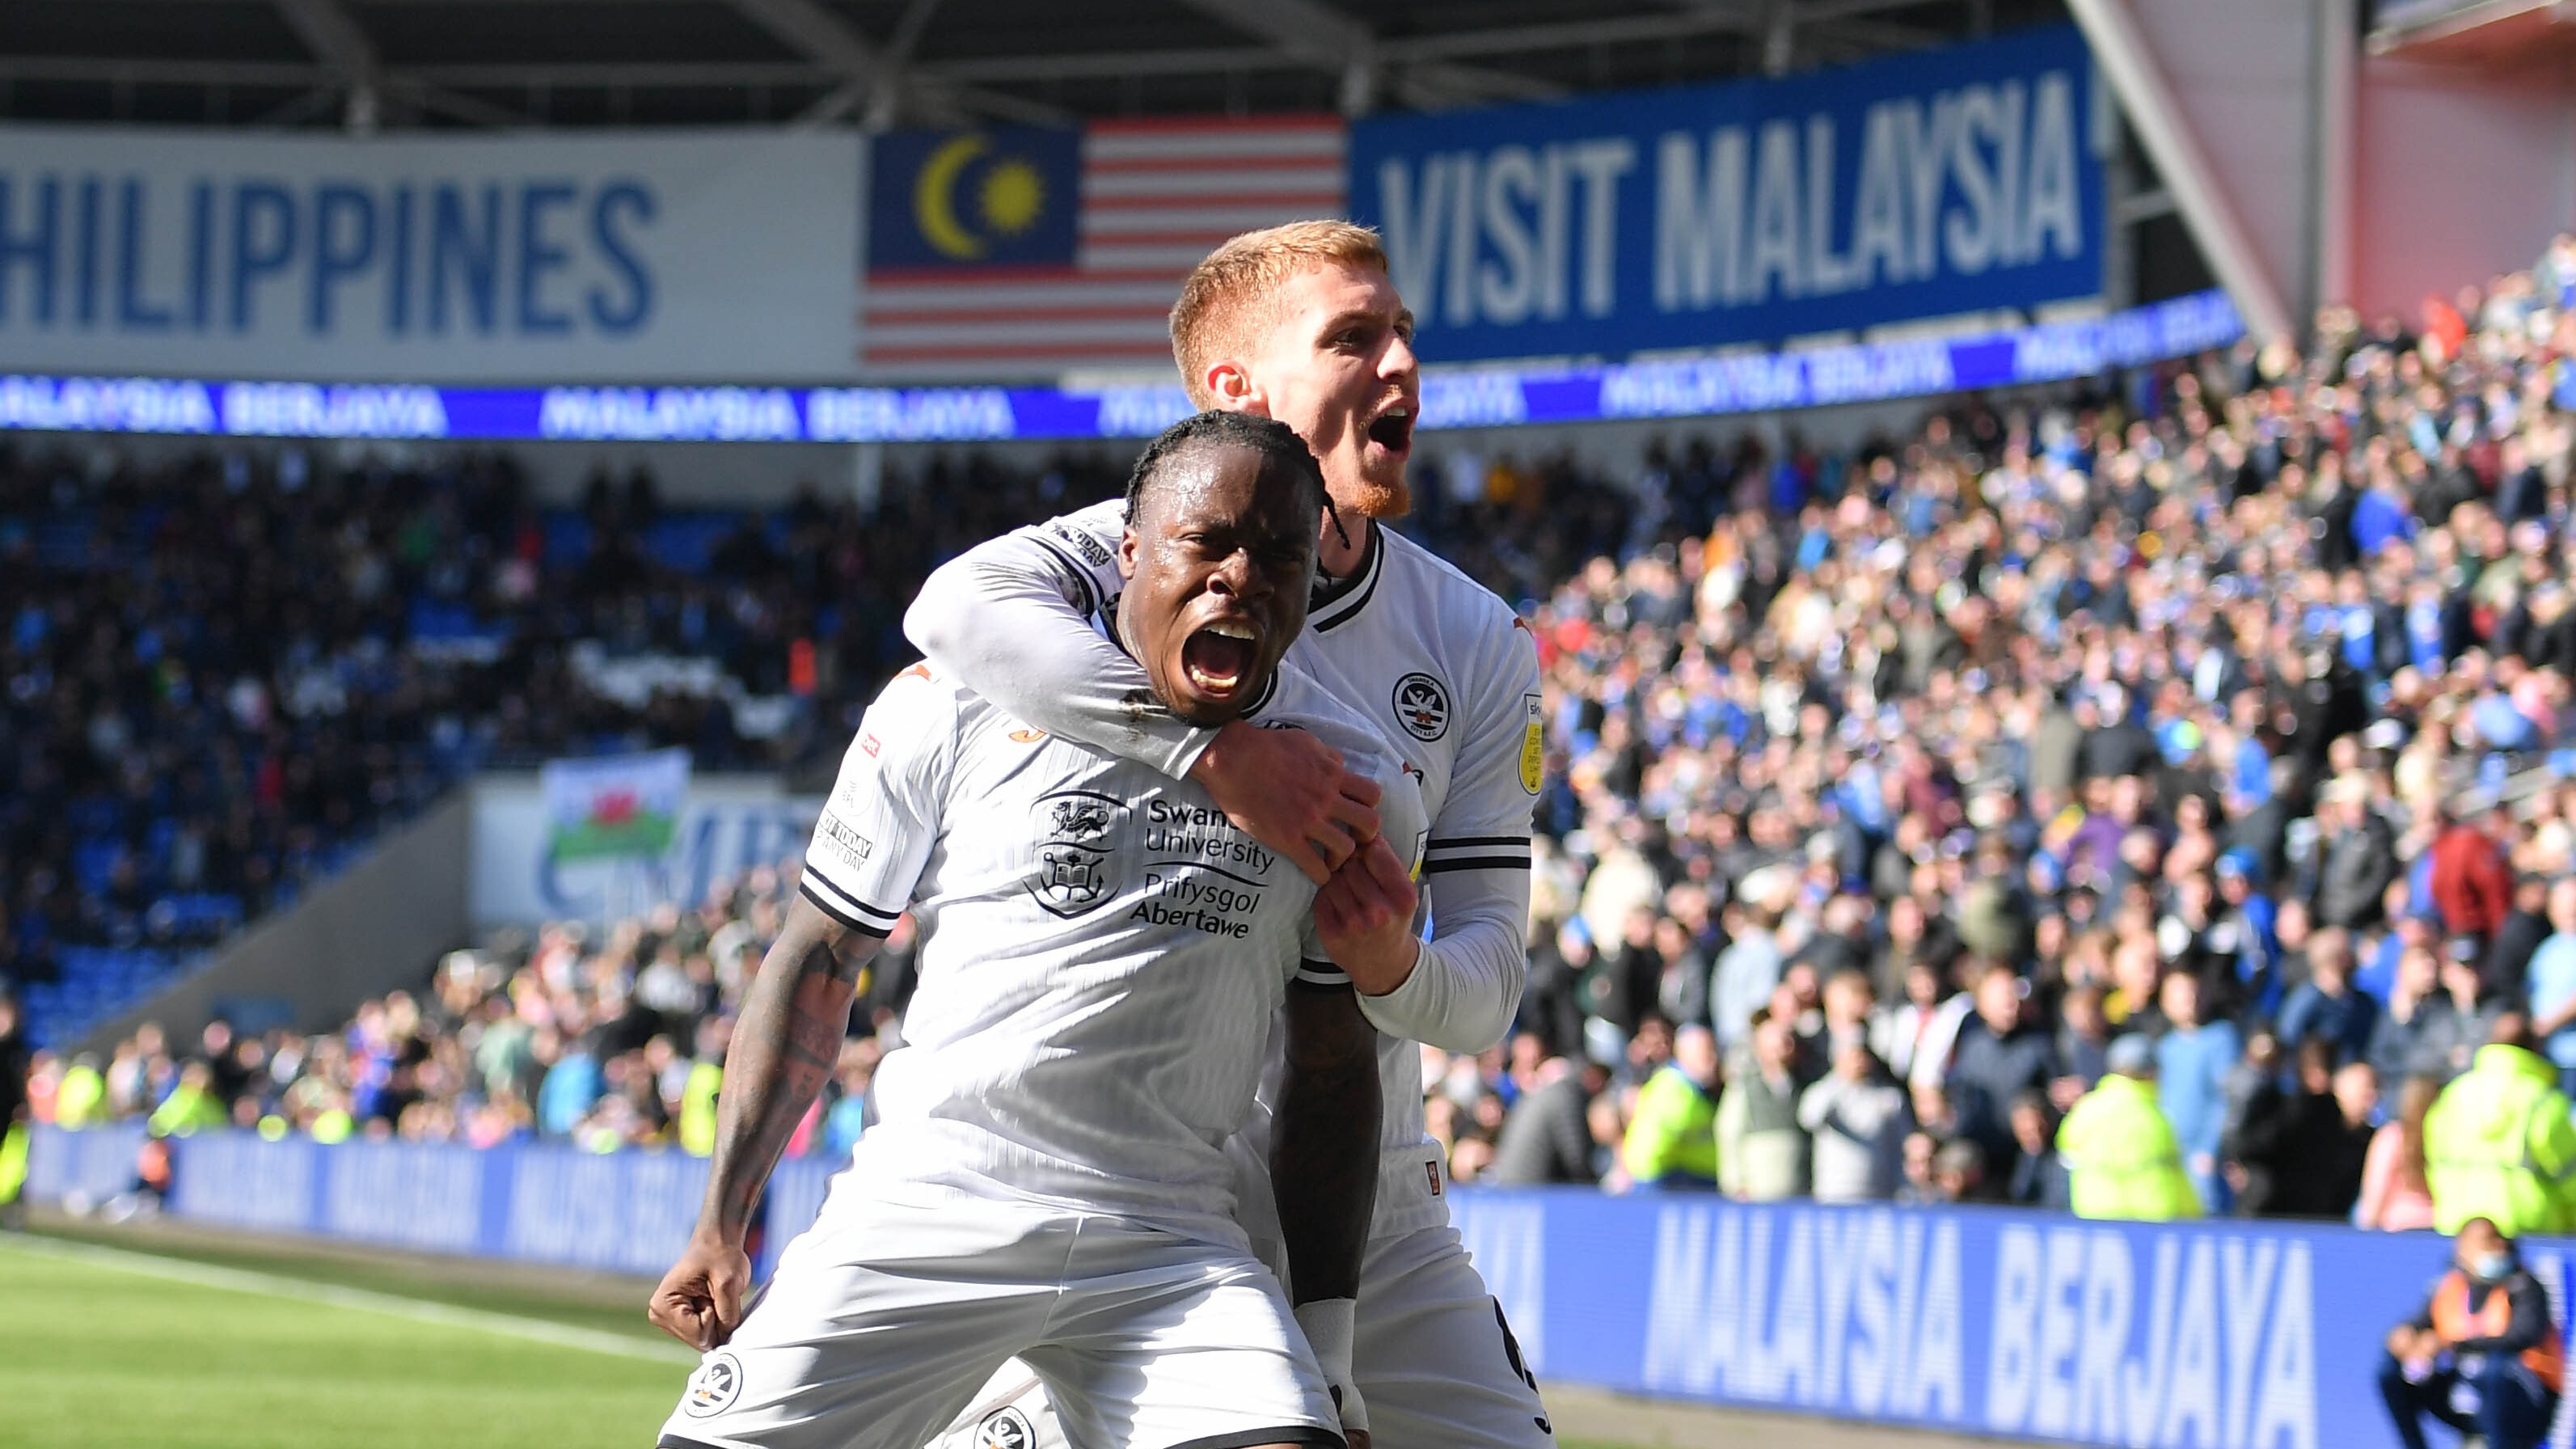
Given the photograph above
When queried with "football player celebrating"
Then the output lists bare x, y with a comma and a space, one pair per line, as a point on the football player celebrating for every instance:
1106, 958
1302, 324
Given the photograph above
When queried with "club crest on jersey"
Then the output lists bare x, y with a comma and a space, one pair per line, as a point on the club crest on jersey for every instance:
1422, 706
714, 1387
1075, 833
1006, 1429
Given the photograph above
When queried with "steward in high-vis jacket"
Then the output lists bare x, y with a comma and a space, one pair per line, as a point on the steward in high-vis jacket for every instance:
2483, 1356
1672, 1140
2119, 1152
2499, 1144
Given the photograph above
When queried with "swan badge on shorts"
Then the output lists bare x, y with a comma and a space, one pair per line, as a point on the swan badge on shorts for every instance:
1006, 1428
714, 1387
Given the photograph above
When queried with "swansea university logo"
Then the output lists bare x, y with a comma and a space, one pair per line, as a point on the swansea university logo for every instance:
1076, 830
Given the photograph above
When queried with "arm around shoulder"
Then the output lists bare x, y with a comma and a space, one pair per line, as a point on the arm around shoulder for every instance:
1011, 618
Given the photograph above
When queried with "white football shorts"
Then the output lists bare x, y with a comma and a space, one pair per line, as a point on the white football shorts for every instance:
1434, 1357
884, 1321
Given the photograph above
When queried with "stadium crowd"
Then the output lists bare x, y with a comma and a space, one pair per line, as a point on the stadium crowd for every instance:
2175, 765
223, 672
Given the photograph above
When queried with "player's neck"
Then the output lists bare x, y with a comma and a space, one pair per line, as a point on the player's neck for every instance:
1339, 556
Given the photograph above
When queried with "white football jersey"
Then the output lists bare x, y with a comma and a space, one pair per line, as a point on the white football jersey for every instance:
1444, 670
1103, 956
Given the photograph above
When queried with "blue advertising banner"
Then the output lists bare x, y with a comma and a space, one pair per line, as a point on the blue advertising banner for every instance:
1451, 397
2216, 1335
2210, 1335
1923, 185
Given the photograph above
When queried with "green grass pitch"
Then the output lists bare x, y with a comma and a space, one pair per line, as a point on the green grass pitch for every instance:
95, 1355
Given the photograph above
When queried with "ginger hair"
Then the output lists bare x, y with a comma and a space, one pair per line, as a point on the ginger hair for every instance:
1229, 296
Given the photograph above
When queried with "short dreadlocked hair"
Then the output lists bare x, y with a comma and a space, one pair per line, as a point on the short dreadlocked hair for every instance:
1276, 442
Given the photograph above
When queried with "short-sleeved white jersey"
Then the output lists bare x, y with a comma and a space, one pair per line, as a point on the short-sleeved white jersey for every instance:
1441, 667
1103, 954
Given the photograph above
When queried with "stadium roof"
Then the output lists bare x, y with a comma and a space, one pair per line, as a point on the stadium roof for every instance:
367, 64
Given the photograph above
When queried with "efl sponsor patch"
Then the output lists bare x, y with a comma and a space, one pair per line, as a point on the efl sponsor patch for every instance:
1533, 744
714, 1387
1422, 706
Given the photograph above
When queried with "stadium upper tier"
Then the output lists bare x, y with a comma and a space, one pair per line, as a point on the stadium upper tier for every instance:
2176, 709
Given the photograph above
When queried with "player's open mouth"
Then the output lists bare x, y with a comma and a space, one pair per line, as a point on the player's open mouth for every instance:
1393, 429
1218, 657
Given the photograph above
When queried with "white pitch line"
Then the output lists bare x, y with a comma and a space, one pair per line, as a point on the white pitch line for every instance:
206, 1275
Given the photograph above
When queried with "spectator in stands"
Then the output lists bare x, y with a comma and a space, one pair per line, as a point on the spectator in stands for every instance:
2193, 1060
2471, 884
2039, 1177
2412, 1033
2248, 933
1672, 1138
2483, 1355
2325, 1007
1959, 1173
2394, 1195
2001, 1054
1549, 1134
16, 1115
2120, 1157
2083, 1043
192, 1106
2506, 967
2321, 1136
1919, 1187
2498, 1142
1916, 1036
1746, 972
2359, 855
1761, 1149
2550, 983
1856, 1118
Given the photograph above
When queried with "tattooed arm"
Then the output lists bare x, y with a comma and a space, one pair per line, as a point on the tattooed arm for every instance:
785, 1046
1323, 1169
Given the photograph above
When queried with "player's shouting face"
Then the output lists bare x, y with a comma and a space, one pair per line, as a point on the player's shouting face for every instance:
1219, 555
1337, 365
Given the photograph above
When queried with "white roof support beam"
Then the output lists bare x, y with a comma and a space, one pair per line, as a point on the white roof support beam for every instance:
879, 76
335, 40
2149, 101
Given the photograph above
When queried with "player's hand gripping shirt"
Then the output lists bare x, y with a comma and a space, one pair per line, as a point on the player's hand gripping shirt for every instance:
1427, 656
1103, 953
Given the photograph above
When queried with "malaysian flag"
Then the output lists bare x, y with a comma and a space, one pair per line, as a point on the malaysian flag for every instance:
1028, 252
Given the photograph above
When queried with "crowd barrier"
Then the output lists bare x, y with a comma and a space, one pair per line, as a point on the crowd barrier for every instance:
2216, 1335
625, 1212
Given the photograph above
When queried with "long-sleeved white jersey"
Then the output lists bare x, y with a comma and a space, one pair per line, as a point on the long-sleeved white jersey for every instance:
1434, 660
1103, 953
